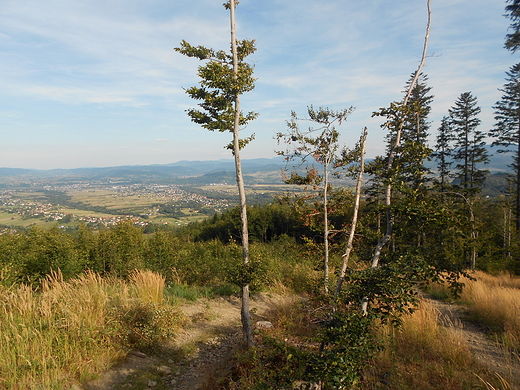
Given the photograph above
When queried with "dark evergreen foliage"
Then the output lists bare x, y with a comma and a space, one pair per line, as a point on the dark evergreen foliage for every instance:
443, 152
415, 132
506, 132
468, 143
513, 13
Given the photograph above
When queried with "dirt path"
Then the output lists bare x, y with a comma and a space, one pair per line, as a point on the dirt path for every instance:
199, 353
487, 352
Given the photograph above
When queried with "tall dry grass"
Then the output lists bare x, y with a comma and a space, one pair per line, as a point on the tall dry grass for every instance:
66, 332
426, 352
495, 302
148, 285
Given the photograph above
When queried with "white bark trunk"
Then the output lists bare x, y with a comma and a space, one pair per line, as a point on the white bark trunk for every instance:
346, 255
326, 228
245, 313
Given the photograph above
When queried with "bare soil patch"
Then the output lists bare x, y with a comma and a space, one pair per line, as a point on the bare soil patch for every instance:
199, 354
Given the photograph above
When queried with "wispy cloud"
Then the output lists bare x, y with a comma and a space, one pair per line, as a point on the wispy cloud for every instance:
72, 68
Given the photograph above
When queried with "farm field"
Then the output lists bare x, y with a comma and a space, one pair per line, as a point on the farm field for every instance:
102, 205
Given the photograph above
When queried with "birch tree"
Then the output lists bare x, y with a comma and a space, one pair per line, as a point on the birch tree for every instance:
348, 249
224, 78
320, 146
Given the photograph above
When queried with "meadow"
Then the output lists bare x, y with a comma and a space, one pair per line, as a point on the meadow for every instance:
69, 331
42, 271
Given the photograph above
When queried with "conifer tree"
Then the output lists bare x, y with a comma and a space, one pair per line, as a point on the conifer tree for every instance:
469, 144
415, 132
412, 125
443, 152
513, 13
506, 132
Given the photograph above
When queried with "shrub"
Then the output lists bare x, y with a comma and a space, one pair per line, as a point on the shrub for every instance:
144, 325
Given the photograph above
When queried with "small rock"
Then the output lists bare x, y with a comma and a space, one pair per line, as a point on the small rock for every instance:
152, 383
164, 370
264, 325
301, 385
138, 354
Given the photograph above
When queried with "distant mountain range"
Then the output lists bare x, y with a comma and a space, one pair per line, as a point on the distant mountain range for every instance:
260, 170
182, 172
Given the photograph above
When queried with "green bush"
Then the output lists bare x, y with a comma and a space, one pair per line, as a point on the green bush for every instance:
145, 325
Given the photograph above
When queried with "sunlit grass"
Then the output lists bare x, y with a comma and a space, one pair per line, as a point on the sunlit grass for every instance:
495, 302
148, 285
427, 352
69, 331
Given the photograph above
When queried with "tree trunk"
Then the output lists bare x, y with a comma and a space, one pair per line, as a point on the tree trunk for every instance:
245, 313
346, 255
326, 228
473, 238
391, 156
517, 219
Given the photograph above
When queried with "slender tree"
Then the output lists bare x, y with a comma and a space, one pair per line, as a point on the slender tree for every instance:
513, 13
395, 114
469, 143
321, 146
348, 249
443, 152
506, 132
224, 78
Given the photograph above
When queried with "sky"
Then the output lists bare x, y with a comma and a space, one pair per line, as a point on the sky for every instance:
96, 83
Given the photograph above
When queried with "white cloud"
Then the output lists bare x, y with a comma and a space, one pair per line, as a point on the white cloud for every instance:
112, 64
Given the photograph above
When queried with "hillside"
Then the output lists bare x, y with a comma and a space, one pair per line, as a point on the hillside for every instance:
256, 171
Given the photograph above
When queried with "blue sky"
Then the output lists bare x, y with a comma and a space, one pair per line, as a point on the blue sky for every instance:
86, 83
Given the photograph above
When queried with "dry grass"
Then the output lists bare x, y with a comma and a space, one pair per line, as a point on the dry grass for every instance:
503, 280
63, 334
425, 355
495, 302
148, 285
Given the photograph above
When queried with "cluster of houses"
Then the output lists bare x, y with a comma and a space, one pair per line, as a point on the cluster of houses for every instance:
164, 194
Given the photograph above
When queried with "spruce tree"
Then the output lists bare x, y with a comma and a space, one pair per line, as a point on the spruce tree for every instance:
469, 144
443, 153
506, 132
416, 131
418, 126
513, 13
414, 126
